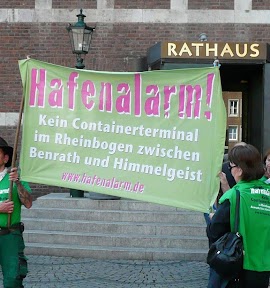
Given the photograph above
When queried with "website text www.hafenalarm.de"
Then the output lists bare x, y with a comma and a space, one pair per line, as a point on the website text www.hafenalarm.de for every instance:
109, 183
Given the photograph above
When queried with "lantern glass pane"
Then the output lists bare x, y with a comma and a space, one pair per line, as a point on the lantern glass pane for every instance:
77, 34
87, 40
70, 34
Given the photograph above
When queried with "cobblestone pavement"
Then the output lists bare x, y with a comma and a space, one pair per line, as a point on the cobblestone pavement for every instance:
68, 272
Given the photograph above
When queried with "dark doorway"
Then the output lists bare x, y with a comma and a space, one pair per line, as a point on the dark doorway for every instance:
247, 79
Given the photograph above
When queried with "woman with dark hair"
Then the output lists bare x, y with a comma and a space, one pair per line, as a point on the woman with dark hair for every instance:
247, 169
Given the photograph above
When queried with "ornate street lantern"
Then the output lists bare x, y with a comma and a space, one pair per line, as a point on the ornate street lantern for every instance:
80, 37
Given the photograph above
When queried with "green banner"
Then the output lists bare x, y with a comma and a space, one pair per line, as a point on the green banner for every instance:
155, 136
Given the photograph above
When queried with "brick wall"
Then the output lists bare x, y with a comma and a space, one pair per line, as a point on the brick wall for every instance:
74, 4
261, 4
211, 4
142, 4
24, 4
117, 47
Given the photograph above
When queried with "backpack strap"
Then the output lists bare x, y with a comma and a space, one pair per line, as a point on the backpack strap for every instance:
237, 212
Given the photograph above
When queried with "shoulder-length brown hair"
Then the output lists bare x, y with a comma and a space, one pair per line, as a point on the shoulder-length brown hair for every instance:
266, 155
248, 158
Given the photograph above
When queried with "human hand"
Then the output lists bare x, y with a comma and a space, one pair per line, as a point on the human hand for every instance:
223, 181
7, 207
222, 178
13, 174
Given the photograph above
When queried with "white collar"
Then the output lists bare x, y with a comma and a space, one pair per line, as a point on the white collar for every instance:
3, 173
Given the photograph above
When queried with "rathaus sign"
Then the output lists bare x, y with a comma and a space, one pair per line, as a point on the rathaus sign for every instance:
221, 50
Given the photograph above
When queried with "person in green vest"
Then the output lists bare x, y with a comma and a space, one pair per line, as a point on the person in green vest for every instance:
12, 258
247, 169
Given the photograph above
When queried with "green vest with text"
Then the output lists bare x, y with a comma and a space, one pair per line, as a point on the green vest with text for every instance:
4, 188
254, 222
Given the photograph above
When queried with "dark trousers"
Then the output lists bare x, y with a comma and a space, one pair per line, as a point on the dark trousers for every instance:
254, 279
214, 280
12, 259
248, 279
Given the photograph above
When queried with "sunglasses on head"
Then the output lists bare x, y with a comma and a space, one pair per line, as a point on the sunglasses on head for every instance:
231, 167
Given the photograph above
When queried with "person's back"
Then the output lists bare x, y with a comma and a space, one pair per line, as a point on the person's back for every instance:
254, 222
256, 228
247, 169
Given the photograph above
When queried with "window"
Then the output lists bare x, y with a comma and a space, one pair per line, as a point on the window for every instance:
233, 106
233, 133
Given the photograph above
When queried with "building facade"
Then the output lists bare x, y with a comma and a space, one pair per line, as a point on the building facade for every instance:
125, 30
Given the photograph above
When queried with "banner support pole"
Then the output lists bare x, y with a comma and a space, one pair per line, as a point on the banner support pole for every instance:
15, 148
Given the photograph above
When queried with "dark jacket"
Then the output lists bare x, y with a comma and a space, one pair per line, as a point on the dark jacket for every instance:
220, 223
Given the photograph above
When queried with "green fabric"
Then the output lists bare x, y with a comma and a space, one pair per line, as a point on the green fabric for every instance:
4, 188
12, 259
254, 222
265, 180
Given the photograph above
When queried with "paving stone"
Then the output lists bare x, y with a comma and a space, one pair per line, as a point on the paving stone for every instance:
68, 272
